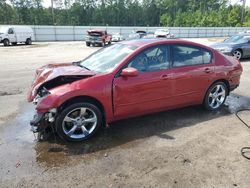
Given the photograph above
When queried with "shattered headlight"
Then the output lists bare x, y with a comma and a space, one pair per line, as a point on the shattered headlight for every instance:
40, 95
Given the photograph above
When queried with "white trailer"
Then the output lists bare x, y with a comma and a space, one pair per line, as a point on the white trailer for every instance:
16, 34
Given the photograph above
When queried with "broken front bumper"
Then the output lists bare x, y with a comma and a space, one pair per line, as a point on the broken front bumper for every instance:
36, 122
41, 121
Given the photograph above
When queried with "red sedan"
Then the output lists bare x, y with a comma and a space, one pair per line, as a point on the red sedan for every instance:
129, 79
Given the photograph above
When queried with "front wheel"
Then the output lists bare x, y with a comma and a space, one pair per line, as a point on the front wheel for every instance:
78, 121
216, 96
237, 54
6, 42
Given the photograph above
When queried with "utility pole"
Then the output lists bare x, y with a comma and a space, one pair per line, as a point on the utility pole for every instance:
52, 11
242, 12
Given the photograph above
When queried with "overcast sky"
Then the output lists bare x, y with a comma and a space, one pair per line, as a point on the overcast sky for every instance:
47, 3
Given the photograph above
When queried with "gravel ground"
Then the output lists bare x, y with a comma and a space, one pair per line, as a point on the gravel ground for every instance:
188, 147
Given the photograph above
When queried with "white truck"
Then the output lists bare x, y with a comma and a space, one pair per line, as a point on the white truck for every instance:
16, 34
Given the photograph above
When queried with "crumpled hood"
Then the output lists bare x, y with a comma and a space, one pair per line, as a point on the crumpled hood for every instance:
53, 71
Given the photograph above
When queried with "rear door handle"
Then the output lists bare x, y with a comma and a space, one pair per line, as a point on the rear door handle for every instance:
164, 77
207, 70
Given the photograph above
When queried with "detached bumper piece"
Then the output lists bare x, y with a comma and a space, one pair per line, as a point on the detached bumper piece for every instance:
36, 122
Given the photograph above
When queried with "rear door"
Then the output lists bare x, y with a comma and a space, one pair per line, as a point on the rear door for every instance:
246, 47
193, 71
151, 90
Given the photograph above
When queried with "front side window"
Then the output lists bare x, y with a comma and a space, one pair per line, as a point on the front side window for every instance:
11, 31
189, 55
152, 59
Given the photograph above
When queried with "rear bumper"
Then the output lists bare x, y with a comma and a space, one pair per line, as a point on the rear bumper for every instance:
94, 42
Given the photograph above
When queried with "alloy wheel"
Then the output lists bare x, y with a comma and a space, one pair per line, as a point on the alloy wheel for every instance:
217, 96
79, 123
237, 54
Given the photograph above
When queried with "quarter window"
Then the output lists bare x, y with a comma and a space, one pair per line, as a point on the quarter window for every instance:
152, 59
190, 55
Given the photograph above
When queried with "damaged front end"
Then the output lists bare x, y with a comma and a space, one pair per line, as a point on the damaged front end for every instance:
42, 122
46, 89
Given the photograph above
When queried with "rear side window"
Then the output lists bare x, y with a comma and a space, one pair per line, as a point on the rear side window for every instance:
186, 55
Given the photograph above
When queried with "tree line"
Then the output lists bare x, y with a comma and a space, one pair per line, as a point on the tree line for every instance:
184, 13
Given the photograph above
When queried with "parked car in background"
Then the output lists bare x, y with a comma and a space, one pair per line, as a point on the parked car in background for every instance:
137, 34
116, 37
237, 46
246, 31
98, 37
163, 33
16, 34
149, 35
128, 79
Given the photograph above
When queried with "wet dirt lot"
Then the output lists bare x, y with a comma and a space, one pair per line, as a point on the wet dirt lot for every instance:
187, 147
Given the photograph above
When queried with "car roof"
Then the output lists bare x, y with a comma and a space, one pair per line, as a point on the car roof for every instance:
97, 30
155, 41
242, 34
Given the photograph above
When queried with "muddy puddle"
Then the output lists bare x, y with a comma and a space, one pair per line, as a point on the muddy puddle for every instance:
20, 153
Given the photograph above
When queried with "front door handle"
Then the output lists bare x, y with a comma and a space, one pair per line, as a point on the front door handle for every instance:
207, 70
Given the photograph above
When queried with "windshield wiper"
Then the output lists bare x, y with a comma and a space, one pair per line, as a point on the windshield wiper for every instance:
78, 63
84, 67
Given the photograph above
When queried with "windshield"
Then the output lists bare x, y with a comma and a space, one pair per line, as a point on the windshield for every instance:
238, 39
95, 34
107, 59
3, 29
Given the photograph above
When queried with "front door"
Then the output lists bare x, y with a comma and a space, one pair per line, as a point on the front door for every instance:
151, 90
12, 35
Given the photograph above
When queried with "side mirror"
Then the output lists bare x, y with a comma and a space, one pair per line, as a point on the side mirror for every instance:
129, 72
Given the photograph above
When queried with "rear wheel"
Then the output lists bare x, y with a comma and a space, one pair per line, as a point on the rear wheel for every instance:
28, 41
87, 44
6, 42
216, 96
78, 121
237, 54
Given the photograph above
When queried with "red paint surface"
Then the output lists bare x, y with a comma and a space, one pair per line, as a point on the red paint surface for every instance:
123, 97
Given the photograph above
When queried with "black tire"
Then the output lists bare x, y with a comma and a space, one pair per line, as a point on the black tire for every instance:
60, 121
87, 44
207, 100
28, 41
110, 42
6, 42
14, 43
